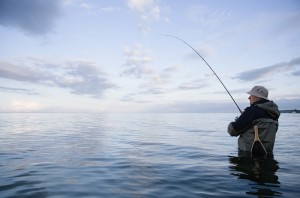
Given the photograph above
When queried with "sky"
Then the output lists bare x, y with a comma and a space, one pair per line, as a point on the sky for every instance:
112, 56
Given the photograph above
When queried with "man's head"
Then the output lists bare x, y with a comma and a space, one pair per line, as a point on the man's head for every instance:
257, 93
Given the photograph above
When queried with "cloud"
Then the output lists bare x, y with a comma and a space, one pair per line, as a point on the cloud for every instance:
266, 72
80, 77
137, 58
153, 91
195, 84
18, 90
163, 77
296, 73
24, 73
170, 69
35, 17
145, 94
84, 78
147, 10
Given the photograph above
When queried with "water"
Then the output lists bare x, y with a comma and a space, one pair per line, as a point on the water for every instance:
140, 155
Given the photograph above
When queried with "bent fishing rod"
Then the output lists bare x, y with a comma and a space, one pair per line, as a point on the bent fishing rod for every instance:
207, 65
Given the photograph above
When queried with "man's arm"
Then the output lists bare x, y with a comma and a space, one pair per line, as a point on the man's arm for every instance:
245, 120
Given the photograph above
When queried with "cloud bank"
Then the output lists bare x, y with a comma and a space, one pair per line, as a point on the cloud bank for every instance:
35, 17
18, 90
80, 77
267, 72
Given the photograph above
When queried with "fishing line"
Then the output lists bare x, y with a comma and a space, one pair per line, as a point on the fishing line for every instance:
207, 65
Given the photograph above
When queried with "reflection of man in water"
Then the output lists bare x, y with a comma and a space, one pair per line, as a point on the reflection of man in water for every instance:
260, 171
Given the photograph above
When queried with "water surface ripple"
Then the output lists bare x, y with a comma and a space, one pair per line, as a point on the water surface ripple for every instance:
140, 155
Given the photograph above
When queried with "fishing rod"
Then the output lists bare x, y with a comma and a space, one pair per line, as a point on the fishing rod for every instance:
207, 65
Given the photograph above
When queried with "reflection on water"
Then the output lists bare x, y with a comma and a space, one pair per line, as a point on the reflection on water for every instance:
139, 155
260, 172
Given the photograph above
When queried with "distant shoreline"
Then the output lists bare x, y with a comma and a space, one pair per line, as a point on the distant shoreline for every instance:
290, 111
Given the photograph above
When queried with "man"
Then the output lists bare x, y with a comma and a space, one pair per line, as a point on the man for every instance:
261, 112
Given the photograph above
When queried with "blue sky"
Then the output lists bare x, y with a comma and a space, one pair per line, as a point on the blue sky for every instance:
110, 56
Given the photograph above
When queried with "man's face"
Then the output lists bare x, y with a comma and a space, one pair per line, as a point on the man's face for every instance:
252, 99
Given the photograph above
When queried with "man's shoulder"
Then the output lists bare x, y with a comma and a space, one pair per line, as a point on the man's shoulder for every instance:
251, 109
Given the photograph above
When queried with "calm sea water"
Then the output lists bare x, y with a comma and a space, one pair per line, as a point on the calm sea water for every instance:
140, 155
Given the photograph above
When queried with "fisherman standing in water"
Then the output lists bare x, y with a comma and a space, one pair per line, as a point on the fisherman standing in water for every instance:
261, 113
264, 114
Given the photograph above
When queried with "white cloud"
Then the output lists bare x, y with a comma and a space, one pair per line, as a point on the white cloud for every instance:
137, 59
146, 10
141, 5
80, 77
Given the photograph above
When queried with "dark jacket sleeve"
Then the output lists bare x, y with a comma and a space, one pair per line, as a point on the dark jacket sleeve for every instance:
245, 119
248, 116
241, 123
